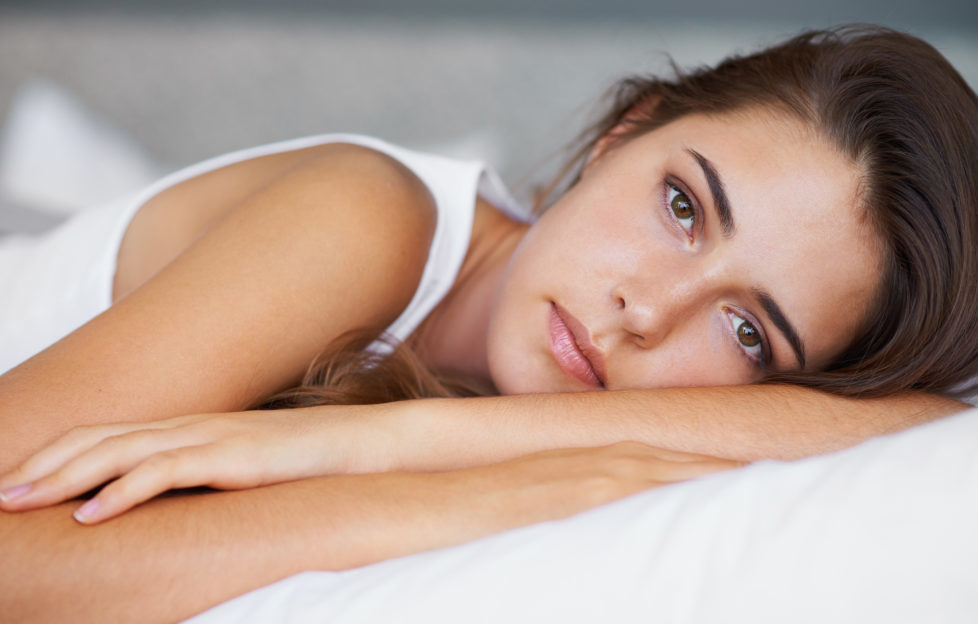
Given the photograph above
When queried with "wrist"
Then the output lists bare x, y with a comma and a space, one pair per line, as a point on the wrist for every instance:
406, 436
417, 435
433, 435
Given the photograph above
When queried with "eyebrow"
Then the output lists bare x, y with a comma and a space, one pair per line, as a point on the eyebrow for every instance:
725, 215
720, 200
783, 324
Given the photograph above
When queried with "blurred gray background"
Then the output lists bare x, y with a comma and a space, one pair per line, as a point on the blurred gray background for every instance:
511, 80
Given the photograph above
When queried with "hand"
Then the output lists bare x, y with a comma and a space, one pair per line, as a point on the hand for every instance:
222, 451
251, 449
567, 481
396, 513
435, 510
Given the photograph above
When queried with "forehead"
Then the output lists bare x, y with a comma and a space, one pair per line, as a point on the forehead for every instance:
803, 233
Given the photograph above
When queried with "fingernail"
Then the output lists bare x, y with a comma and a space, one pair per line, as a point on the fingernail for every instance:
15, 492
84, 513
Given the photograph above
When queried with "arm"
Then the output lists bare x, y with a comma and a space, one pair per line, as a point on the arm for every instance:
336, 242
245, 288
746, 423
177, 556
249, 449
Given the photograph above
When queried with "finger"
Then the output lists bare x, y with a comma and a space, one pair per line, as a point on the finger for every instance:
106, 460
179, 468
640, 448
55, 455
74, 443
672, 472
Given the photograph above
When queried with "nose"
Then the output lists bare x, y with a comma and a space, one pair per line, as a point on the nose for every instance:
651, 309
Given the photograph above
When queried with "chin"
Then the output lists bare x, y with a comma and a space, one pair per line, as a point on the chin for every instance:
532, 382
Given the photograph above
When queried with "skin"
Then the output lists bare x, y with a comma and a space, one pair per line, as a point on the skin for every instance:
240, 285
345, 521
655, 295
592, 254
211, 294
177, 556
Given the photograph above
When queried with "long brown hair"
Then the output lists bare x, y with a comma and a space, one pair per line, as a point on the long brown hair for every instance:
891, 103
364, 367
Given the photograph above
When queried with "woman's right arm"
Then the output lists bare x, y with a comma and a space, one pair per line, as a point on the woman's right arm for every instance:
334, 243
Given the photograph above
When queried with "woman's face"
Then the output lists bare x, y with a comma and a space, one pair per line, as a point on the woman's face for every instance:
706, 252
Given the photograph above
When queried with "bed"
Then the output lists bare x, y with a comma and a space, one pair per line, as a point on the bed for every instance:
882, 532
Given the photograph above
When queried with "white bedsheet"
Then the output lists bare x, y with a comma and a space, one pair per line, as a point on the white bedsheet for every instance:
883, 532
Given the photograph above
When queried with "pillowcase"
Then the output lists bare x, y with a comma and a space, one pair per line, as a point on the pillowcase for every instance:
882, 532
57, 157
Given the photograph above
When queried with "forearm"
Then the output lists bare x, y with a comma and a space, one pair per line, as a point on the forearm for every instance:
741, 422
174, 557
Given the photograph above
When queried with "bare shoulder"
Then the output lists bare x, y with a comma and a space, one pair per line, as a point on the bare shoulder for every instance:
378, 204
370, 189
377, 175
374, 164
375, 199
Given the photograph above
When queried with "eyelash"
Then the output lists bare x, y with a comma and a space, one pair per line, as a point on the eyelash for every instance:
672, 192
757, 354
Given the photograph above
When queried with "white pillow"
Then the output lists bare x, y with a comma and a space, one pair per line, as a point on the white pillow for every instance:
883, 532
58, 157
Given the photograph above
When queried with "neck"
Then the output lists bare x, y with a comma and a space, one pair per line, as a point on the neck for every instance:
453, 337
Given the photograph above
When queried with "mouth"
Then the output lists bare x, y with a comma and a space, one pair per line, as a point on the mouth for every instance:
573, 350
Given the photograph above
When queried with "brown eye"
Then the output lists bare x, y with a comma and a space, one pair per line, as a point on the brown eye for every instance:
748, 335
681, 206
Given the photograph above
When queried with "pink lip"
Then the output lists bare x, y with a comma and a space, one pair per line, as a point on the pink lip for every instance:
571, 345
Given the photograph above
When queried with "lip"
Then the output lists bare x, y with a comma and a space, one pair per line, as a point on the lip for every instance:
571, 345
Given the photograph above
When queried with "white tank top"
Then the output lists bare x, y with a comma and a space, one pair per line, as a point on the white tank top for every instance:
56, 282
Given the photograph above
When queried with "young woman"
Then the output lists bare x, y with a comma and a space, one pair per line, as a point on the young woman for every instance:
805, 215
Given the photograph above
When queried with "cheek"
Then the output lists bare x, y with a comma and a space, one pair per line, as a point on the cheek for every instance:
696, 351
518, 359
513, 335
579, 261
687, 372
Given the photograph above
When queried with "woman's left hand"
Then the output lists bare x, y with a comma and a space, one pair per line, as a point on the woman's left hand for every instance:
223, 451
